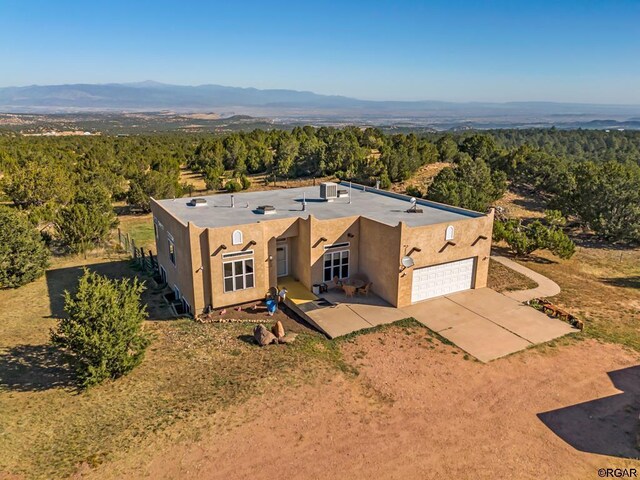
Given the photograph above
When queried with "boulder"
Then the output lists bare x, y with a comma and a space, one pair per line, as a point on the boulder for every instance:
263, 336
288, 338
278, 329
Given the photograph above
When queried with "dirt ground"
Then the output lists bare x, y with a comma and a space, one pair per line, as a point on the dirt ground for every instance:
419, 409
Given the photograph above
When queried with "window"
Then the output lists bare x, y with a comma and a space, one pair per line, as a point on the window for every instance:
336, 264
236, 237
238, 275
172, 251
449, 233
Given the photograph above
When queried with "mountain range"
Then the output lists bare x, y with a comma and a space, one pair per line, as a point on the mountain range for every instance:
292, 104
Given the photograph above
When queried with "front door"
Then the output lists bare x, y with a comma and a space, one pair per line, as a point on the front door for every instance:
282, 259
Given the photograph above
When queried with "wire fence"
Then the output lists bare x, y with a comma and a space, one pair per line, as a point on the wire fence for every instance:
147, 262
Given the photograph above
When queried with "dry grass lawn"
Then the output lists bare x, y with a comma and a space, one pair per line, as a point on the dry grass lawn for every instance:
503, 279
395, 402
190, 372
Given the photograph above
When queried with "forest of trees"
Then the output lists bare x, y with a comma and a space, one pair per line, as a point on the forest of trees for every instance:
68, 183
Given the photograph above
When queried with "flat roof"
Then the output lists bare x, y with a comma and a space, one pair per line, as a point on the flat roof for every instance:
379, 205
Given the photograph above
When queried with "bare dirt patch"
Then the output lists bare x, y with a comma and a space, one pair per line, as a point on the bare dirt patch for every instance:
422, 178
418, 409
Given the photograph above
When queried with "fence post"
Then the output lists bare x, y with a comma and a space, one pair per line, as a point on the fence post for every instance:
143, 263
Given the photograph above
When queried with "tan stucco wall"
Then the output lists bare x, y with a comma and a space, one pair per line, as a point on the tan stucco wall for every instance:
180, 274
431, 240
375, 249
380, 257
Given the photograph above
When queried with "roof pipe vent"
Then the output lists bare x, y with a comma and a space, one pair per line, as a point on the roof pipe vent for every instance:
304, 201
233, 203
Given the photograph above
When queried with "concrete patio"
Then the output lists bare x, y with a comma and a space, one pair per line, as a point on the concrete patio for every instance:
482, 322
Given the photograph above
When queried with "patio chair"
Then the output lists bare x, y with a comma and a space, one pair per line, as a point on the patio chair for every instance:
365, 290
349, 290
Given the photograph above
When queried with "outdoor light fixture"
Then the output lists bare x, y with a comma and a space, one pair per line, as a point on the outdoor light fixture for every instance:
406, 262
201, 268
323, 239
223, 246
270, 258
414, 249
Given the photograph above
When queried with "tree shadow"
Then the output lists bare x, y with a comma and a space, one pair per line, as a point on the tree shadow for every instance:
29, 368
62, 279
625, 282
505, 252
606, 426
590, 240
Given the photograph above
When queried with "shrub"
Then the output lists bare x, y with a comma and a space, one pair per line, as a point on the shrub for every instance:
414, 191
246, 183
526, 239
24, 256
232, 186
103, 329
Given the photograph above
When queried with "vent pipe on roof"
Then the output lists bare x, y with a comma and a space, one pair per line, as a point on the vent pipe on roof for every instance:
304, 201
349, 192
233, 203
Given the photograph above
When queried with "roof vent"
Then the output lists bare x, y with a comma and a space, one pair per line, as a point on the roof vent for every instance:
328, 191
414, 206
197, 202
266, 209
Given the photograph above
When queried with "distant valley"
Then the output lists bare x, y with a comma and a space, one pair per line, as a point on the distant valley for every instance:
149, 106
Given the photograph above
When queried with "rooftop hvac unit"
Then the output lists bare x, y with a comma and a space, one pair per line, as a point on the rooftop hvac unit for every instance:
328, 191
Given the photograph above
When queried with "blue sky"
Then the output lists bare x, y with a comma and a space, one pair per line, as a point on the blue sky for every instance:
576, 51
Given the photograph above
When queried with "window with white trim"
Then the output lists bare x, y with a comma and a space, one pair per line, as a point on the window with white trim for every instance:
172, 251
336, 264
238, 275
449, 233
236, 237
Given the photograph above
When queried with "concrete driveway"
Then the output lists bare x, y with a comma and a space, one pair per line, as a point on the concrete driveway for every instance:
487, 324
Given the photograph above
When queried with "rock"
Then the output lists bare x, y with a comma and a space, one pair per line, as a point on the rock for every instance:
288, 338
263, 336
278, 329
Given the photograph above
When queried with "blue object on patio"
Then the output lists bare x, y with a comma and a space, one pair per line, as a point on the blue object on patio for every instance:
272, 306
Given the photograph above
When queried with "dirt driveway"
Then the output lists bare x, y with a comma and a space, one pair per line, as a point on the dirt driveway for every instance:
487, 324
417, 410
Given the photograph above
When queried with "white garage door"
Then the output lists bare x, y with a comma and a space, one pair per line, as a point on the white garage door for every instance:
442, 279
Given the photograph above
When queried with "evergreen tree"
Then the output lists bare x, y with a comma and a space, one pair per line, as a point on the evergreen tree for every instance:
23, 255
469, 184
87, 221
102, 331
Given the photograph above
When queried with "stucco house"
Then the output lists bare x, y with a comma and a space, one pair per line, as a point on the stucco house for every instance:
224, 250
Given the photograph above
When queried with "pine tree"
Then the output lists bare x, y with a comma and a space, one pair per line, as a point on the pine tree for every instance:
23, 255
103, 328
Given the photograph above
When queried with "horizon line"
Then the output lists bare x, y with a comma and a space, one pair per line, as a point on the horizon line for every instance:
152, 82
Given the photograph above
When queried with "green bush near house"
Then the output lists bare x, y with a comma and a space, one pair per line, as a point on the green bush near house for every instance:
103, 329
